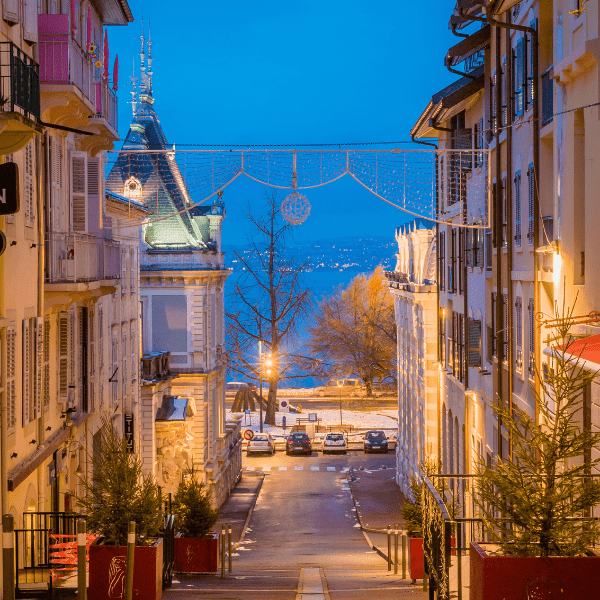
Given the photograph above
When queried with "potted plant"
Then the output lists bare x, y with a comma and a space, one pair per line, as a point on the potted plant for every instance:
534, 505
117, 493
196, 545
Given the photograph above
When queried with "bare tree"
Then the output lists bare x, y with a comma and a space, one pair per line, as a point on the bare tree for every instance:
268, 303
355, 331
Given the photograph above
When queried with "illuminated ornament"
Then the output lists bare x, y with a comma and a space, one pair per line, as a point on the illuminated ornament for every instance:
133, 189
295, 208
98, 64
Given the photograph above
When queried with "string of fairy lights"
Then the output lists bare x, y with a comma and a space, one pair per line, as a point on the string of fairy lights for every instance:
407, 179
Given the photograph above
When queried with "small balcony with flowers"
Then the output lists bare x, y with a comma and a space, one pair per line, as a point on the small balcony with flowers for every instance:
19, 98
74, 80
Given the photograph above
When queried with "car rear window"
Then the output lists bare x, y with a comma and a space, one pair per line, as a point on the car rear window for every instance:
298, 437
336, 437
261, 438
375, 434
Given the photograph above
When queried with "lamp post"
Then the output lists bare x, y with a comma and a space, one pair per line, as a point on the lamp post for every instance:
260, 358
340, 383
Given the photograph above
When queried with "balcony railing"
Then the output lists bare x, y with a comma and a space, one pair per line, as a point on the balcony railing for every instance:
78, 257
19, 82
64, 62
547, 98
155, 366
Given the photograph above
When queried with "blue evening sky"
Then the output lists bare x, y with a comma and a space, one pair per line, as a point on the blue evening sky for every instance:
275, 72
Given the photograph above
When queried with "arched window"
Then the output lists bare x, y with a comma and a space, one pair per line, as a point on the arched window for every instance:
133, 189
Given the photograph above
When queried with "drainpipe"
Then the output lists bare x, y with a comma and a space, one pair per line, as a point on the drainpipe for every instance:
41, 150
456, 72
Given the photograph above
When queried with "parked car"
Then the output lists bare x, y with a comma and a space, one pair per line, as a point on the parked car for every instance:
298, 442
375, 441
335, 441
349, 387
261, 442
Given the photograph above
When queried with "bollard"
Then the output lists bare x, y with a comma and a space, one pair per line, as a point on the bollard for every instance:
403, 556
81, 563
222, 551
389, 532
396, 550
8, 557
129, 561
229, 536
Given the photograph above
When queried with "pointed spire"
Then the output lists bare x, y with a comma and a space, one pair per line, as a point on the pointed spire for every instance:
142, 61
149, 78
133, 92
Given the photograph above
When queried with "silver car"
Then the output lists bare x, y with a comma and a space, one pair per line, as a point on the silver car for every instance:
261, 442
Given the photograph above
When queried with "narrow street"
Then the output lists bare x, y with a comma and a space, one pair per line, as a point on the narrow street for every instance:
303, 541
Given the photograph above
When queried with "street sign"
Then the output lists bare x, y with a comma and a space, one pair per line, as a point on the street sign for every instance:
312, 417
284, 422
9, 189
283, 403
128, 425
248, 434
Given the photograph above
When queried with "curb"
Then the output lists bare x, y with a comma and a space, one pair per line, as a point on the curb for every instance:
364, 529
245, 527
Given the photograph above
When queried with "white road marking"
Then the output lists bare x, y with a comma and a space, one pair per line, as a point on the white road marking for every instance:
266, 468
250, 468
331, 468
299, 468
314, 468
283, 468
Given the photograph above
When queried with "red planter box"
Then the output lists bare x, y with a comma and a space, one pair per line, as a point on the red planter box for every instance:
564, 577
197, 555
107, 572
416, 558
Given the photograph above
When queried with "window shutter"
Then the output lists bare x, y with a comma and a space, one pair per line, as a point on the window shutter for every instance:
518, 326
531, 339
505, 327
494, 325
123, 270
529, 82
474, 341
46, 360
10, 11
11, 386
29, 191
530, 202
30, 20
101, 356
93, 185
38, 390
124, 358
63, 357
79, 192
133, 352
132, 270
519, 77
56, 205
504, 92
73, 357
518, 208
113, 371
27, 372
92, 359
493, 102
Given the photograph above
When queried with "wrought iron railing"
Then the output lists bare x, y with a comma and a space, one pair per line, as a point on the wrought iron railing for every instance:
168, 535
78, 257
155, 366
106, 103
547, 98
19, 82
32, 562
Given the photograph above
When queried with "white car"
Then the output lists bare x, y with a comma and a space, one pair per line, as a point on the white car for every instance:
261, 442
335, 441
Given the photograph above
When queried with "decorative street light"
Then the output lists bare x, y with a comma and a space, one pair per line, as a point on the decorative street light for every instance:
340, 383
268, 362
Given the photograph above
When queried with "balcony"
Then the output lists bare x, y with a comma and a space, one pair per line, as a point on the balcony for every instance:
155, 366
20, 98
66, 69
80, 258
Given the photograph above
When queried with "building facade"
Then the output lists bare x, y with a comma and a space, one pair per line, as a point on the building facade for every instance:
413, 287
182, 278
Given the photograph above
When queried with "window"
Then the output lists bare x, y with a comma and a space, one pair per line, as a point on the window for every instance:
531, 314
504, 92
530, 203
493, 102
518, 208
460, 275
452, 265
504, 206
478, 250
29, 192
488, 250
169, 323
133, 189
124, 258
518, 325
442, 259
132, 270
494, 329
519, 77
474, 340
28, 358
442, 337
78, 192
63, 357
46, 365
505, 327
451, 330
529, 75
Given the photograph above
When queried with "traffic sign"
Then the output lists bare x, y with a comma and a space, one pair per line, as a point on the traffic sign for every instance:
283, 403
248, 434
312, 417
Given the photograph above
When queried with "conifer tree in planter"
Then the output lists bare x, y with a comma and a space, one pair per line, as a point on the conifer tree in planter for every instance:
532, 504
117, 493
196, 545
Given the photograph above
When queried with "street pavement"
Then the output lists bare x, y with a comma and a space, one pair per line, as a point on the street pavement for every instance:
303, 539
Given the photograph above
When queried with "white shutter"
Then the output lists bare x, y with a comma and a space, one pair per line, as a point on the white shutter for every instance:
38, 389
132, 271
101, 356
10, 11
92, 359
114, 389
63, 357
28, 187
79, 191
11, 386
133, 352
56, 204
123, 270
30, 20
46, 375
124, 359
93, 185
72, 358
27, 372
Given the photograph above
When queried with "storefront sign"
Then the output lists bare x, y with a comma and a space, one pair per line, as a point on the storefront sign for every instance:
9, 189
129, 432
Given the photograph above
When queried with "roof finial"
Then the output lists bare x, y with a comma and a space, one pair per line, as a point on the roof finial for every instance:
142, 60
133, 80
149, 72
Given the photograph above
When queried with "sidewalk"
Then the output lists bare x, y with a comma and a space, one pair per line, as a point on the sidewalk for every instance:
237, 509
